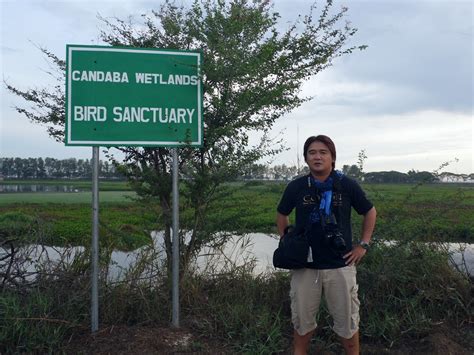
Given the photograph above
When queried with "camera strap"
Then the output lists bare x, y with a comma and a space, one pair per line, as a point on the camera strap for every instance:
336, 203
333, 199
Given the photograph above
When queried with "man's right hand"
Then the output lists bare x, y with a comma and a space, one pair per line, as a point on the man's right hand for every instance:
282, 222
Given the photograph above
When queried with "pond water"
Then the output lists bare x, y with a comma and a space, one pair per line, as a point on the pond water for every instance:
253, 250
12, 188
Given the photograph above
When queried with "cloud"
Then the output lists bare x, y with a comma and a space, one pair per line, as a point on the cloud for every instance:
420, 140
357, 97
423, 47
8, 50
419, 57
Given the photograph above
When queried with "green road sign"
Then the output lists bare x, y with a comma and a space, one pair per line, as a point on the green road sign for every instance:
124, 96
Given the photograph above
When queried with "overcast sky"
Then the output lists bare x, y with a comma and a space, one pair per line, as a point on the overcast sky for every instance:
407, 100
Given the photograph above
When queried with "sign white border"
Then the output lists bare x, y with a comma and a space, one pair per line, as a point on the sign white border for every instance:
69, 140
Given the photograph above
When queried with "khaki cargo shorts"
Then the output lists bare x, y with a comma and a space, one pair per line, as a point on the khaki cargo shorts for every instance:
340, 292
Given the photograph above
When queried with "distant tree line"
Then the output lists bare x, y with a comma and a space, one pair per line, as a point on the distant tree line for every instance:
51, 168
277, 172
396, 177
72, 168
288, 172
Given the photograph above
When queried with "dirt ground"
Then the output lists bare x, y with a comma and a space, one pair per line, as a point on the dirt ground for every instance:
141, 340
161, 340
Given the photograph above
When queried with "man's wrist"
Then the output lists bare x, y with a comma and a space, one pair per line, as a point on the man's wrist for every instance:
364, 245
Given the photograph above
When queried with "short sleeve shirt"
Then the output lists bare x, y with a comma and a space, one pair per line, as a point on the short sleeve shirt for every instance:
302, 195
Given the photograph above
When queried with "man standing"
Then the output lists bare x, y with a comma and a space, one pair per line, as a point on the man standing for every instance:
323, 201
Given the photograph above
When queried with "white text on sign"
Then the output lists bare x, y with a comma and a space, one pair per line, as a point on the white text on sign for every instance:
140, 78
134, 114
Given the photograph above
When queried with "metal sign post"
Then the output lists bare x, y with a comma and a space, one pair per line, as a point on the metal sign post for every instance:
126, 96
95, 242
175, 265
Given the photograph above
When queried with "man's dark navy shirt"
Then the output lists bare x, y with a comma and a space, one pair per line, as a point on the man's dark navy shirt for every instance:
303, 195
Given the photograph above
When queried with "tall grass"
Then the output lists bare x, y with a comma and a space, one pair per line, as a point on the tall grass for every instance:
408, 288
405, 290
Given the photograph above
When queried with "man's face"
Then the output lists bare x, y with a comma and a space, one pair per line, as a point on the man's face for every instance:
319, 158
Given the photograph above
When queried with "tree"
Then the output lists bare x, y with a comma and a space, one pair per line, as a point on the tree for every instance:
421, 176
352, 171
30, 168
41, 173
255, 171
386, 177
283, 172
69, 167
8, 167
252, 74
57, 168
18, 165
48, 167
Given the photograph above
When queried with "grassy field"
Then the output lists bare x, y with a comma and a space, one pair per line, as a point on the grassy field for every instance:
64, 197
427, 212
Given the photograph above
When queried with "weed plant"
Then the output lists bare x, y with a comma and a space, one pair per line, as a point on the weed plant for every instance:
41, 300
26, 325
407, 288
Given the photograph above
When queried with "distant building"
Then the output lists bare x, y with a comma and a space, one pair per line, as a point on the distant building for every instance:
448, 177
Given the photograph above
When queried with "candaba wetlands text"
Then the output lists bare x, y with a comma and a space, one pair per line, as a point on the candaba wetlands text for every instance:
133, 114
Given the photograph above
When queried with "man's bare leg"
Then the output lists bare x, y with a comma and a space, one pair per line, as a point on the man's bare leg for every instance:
301, 342
351, 345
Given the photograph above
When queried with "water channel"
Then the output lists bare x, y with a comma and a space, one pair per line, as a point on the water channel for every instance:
17, 188
254, 250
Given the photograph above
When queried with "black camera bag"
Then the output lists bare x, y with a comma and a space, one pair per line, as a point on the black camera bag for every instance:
292, 251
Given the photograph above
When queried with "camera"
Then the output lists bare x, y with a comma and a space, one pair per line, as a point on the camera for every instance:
333, 238
332, 235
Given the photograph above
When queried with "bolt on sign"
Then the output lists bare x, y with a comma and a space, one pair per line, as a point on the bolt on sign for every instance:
125, 96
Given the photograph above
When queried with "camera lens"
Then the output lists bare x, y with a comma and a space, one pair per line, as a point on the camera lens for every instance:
339, 243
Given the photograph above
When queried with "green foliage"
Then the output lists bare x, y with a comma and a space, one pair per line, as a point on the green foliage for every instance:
397, 177
422, 212
122, 226
352, 171
431, 213
16, 226
254, 183
39, 168
257, 321
64, 198
38, 319
356, 171
407, 288
25, 325
130, 304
